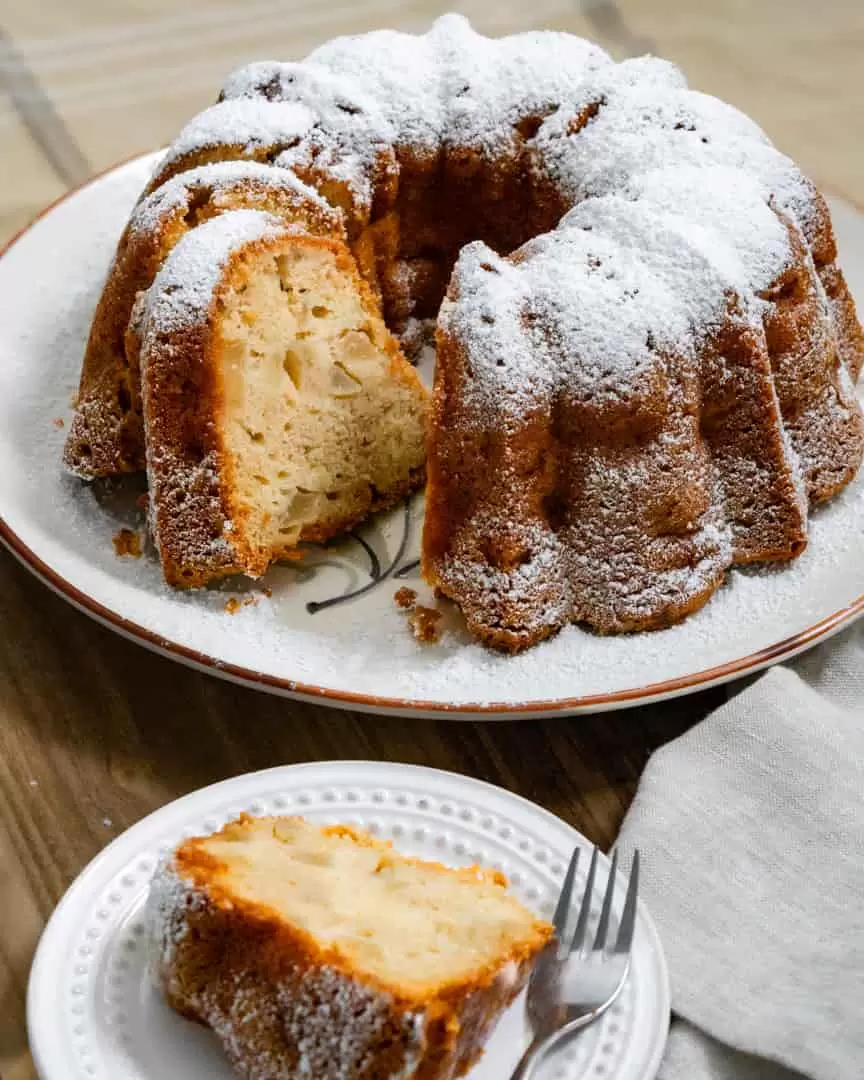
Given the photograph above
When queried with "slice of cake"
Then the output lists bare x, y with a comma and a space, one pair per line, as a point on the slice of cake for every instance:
277, 405
321, 953
106, 436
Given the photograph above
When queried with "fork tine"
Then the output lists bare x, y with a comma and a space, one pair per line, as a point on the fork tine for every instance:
585, 910
603, 925
565, 897
628, 916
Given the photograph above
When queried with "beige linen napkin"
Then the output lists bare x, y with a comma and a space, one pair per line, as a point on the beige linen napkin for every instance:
752, 830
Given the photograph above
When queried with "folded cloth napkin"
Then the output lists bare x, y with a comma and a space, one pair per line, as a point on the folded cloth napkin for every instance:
752, 830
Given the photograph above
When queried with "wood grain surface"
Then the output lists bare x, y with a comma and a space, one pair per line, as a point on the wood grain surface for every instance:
95, 732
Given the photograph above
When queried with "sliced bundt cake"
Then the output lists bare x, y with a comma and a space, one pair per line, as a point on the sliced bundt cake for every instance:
647, 353
277, 405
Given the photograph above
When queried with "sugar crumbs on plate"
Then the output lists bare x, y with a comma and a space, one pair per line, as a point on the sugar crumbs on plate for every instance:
58, 422
424, 622
405, 598
127, 544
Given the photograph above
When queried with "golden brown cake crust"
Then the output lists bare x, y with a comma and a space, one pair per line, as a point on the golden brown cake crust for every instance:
274, 995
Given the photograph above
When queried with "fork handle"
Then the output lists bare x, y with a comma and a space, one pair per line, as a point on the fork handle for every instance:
531, 1057
541, 1044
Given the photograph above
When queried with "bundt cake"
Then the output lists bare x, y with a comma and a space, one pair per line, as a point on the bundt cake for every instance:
277, 405
320, 952
646, 350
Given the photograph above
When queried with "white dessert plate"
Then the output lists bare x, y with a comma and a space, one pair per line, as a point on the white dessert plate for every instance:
94, 1014
359, 653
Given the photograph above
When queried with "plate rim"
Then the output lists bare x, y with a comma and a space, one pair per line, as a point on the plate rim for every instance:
784, 649
37, 983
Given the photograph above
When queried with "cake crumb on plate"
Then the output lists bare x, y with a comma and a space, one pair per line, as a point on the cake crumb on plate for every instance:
234, 603
424, 622
405, 597
127, 543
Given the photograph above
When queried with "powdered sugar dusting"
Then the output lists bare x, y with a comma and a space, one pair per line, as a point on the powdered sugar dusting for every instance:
722, 214
177, 192
333, 97
350, 138
247, 124
364, 647
491, 85
589, 330
183, 289
543, 577
638, 116
454, 84
169, 901
401, 73
338, 1041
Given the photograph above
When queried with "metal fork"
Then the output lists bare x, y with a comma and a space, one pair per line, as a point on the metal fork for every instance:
572, 984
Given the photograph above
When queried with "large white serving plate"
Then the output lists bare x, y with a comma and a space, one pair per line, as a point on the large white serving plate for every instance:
360, 653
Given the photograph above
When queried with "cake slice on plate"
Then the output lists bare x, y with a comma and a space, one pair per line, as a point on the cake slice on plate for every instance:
277, 405
320, 952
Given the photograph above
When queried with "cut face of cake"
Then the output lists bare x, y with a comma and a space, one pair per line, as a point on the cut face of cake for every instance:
321, 952
277, 406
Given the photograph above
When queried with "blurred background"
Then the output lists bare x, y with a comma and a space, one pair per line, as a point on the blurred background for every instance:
86, 83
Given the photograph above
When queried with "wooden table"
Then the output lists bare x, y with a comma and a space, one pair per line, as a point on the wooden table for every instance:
94, 731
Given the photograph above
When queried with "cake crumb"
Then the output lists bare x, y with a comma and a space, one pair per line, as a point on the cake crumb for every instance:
127, 543
405, 597
143, 501
266, 592
59, 422
234, 603
424, 623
